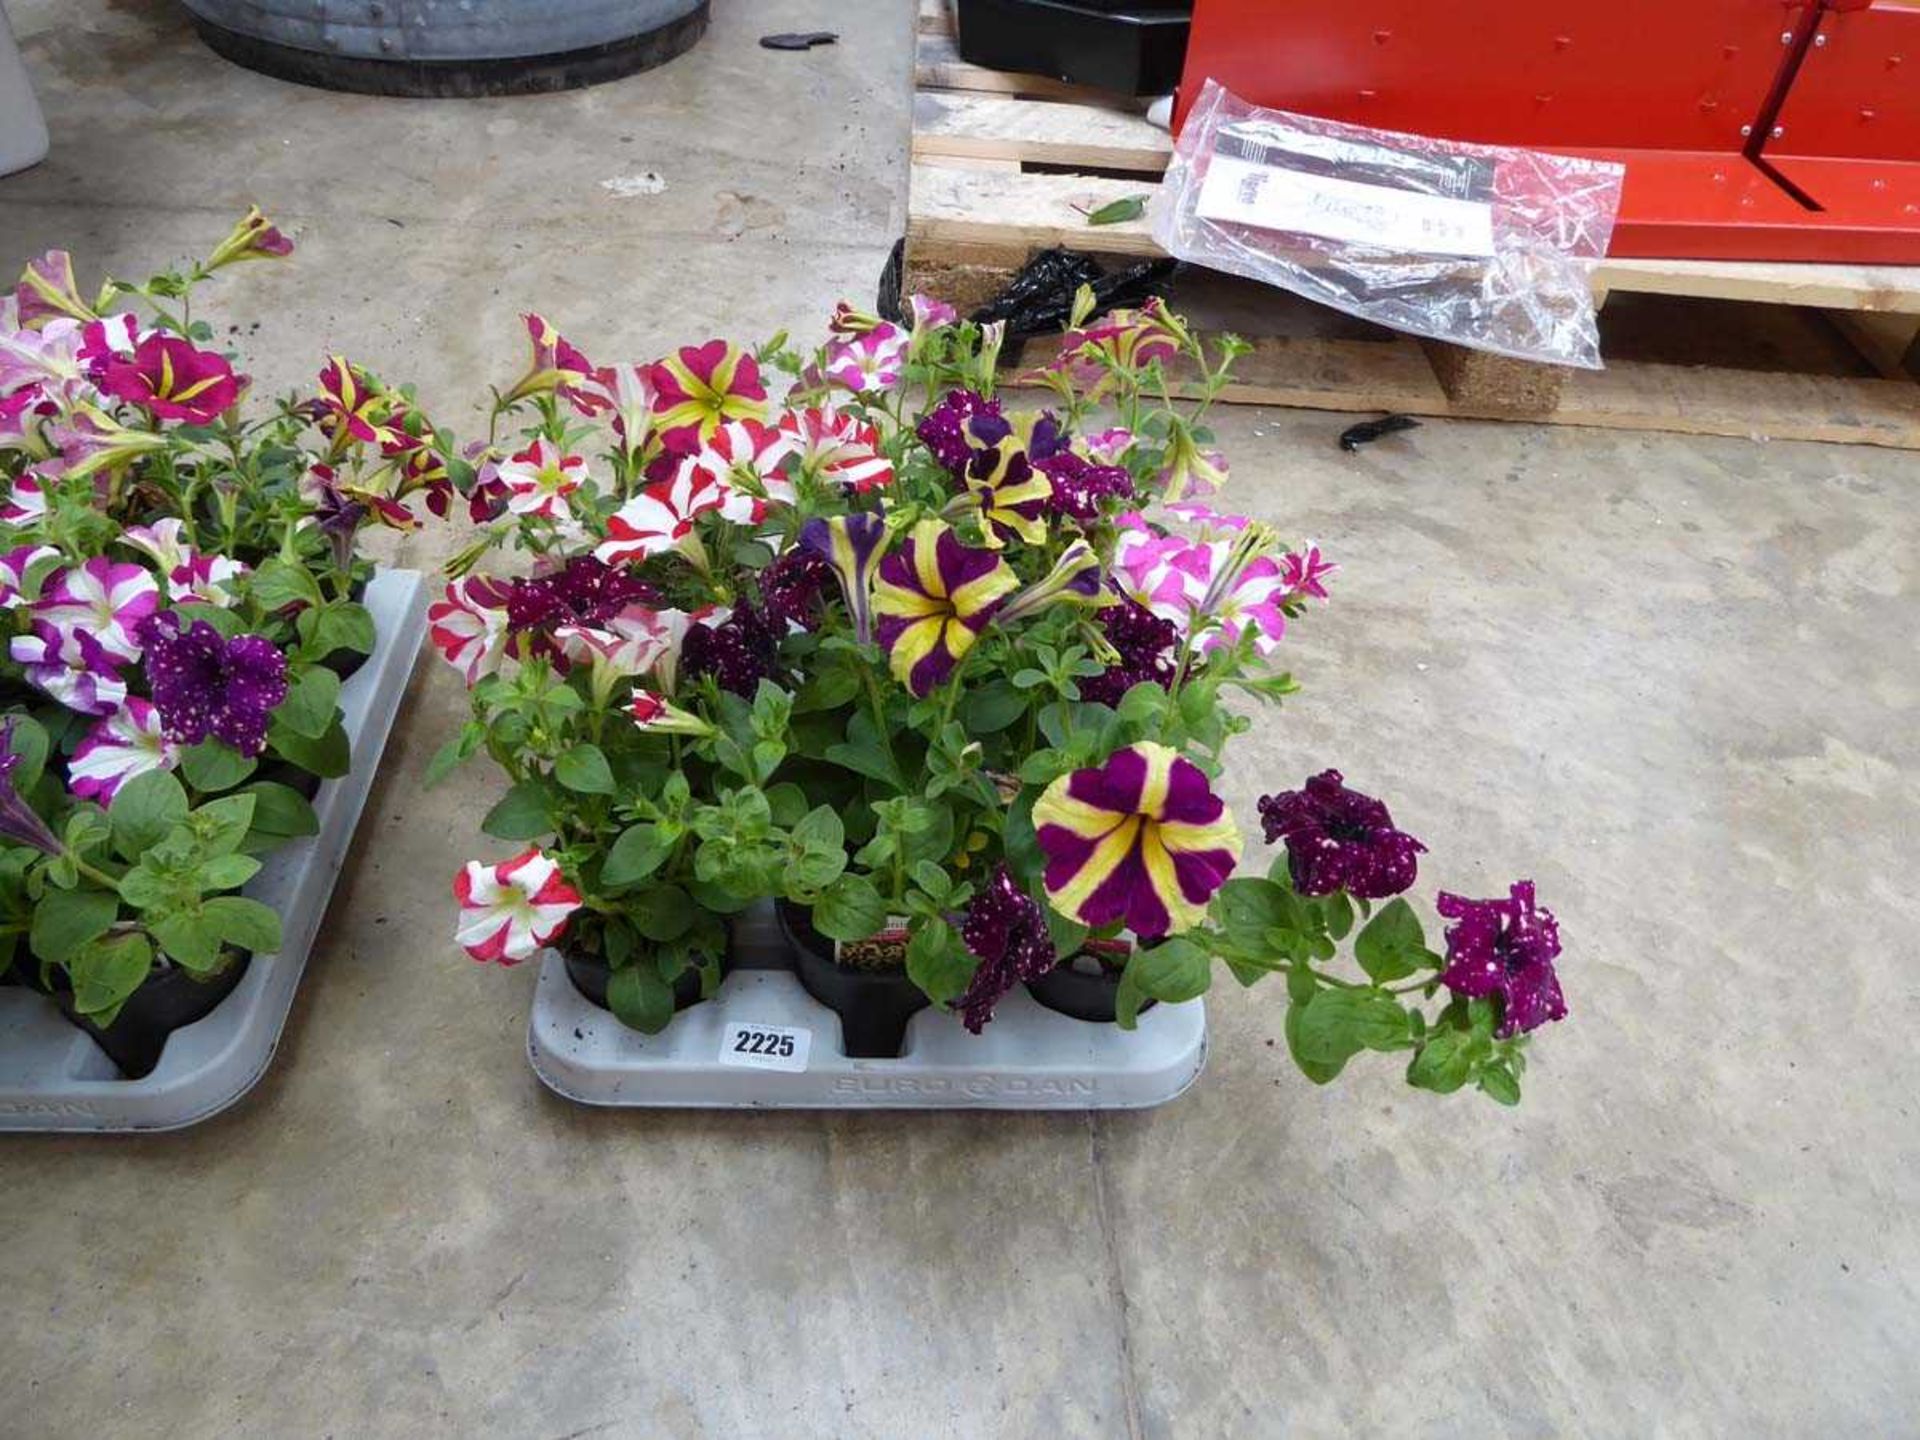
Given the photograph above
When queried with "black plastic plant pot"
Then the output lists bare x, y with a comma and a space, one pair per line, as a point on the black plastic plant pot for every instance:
1084, 987
874, 1006
169, 1000
1135, 48
478, 47
591, 975
344, 662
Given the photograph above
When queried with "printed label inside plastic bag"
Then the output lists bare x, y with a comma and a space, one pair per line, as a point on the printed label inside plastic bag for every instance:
1256, 179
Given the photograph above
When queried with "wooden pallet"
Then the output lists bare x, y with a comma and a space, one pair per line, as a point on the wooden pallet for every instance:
1003, 165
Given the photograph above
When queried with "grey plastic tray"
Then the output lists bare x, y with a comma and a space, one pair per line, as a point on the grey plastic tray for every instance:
1029, 1058
52, 1077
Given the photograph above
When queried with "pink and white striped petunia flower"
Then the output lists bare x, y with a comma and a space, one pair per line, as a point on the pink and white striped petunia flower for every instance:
188, 575
26, 501
509, 910
660, 518
838, 448
540, 478
1306, 573
1248, 603
17, 569
71, 666
105, 600
469, 626
127, 743
868, 363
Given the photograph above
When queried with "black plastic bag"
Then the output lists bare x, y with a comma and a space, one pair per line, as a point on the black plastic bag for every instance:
1039, 300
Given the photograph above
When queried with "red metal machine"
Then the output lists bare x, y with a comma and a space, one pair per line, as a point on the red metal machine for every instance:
1750, 129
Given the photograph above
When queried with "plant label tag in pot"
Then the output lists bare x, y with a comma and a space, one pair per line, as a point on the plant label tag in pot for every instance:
886, 948
765, 1047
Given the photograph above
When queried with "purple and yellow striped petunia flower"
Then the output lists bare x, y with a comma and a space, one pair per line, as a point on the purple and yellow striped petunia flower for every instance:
1140, 841
853, 545
934, 598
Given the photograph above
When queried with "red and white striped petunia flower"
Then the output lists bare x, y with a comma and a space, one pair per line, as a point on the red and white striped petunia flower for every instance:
745, 456
509, 910
626, 644
540, 478
469, 626
838, 448
660, 518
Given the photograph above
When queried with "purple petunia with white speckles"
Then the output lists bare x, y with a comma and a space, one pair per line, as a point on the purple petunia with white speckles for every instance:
1005, 929
1339, 839
1505, 948
205, 684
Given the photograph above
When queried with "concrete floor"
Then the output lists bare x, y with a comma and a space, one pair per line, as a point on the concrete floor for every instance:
1672, 680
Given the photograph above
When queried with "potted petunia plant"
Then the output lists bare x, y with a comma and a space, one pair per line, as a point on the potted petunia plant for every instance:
945, 679
178, 582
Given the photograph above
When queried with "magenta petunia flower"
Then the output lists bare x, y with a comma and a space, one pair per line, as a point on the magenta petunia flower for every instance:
127, 743
539, 479
509, 910
1006, 931
934, 597
106, 600
1140, 840
172, 379
555, 365
205, 684
1304, 573
1505, 948
868, 363
1339, 839
701, 387
254, 237
73, 667
468, 626
352, 406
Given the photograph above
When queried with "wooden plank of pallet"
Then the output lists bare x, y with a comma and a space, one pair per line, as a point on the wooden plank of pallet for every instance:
937, 66
936, 17
1362, 375
1001, 127
975, 208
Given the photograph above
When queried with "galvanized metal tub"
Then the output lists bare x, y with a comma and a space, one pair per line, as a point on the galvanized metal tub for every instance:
449, 47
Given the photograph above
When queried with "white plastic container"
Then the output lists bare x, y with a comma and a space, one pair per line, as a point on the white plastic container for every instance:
53, 1077
1028, 1058
23, 131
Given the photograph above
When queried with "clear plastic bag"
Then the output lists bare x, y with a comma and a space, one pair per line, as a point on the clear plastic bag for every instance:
1479, 245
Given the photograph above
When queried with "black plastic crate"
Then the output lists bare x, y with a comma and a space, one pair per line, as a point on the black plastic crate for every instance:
1134, 48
